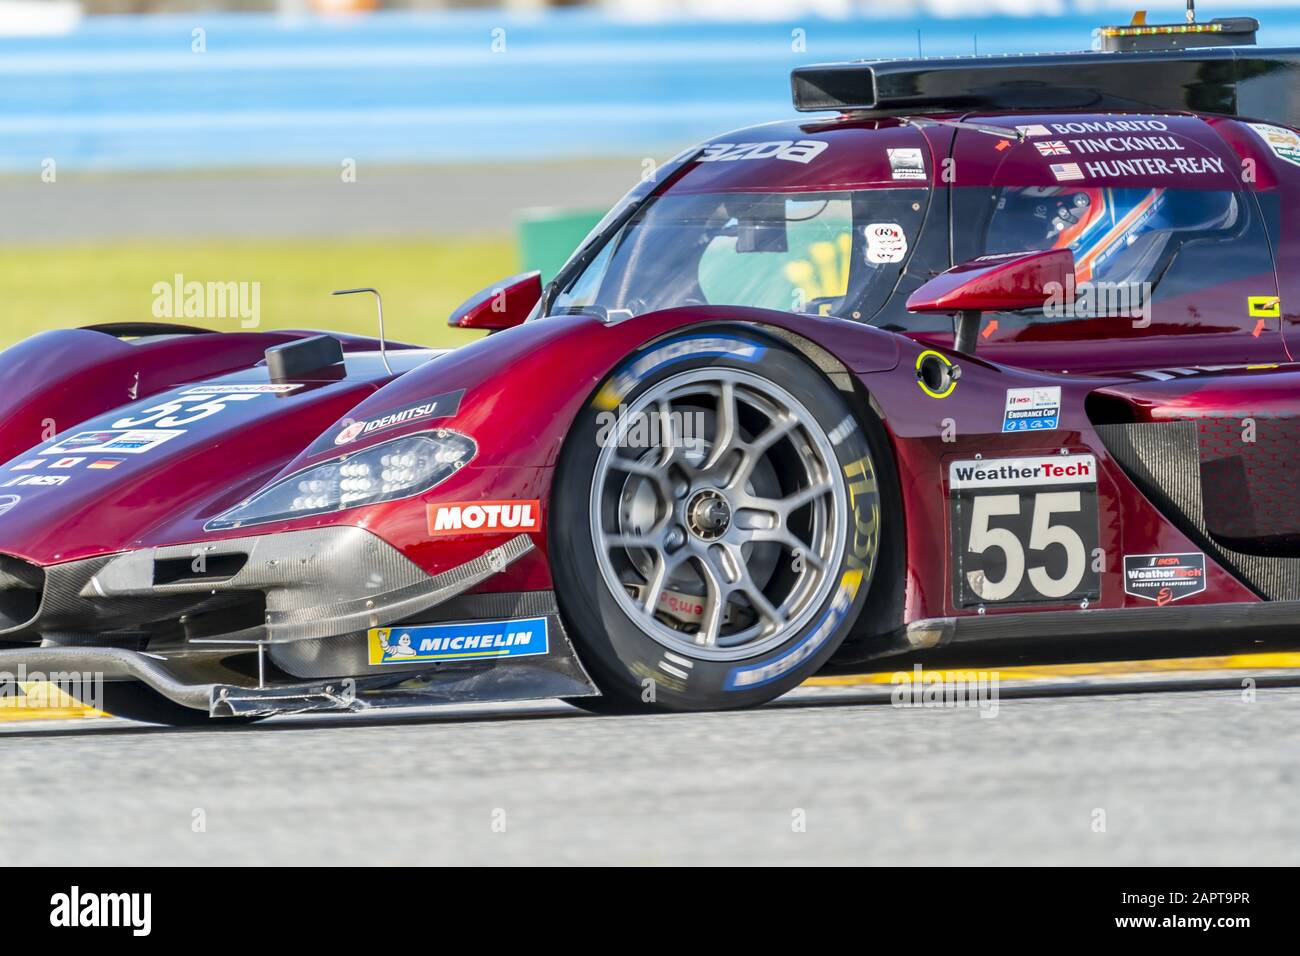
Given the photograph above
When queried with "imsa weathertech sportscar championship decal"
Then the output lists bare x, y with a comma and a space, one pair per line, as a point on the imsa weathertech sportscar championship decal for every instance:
458, 642
1024, 530
1164, 578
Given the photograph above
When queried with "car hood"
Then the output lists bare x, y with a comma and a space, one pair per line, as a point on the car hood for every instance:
188, 451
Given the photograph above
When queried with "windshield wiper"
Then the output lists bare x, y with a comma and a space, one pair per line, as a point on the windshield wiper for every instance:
999, 131
606, 315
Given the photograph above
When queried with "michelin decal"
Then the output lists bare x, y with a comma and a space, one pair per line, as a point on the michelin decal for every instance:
458, 642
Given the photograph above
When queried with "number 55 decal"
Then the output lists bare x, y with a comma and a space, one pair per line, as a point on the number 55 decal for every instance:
185, 410
1015, 541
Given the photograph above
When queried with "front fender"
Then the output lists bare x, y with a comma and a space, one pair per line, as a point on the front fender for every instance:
522, 389
524, 386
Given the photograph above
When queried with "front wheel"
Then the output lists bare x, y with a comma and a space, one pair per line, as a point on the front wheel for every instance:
716, 524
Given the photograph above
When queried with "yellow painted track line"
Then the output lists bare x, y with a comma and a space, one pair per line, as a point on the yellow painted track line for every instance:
41, 701
1275, 661
44, 702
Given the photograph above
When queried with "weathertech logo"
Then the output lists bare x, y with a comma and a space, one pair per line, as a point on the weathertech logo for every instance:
482, 517
1023, 472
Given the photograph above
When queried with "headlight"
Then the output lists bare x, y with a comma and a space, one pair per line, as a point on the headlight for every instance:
395, 469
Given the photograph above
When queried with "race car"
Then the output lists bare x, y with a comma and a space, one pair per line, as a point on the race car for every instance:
994, 349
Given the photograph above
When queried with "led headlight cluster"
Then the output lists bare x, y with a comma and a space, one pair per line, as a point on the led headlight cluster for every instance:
396, 469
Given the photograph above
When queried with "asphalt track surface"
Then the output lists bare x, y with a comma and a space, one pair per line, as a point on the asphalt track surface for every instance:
1184, 778
311, 203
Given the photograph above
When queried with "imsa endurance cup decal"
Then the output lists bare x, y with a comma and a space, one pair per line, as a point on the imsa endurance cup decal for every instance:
1023, 530
458, 642
1164, 578
1032, 409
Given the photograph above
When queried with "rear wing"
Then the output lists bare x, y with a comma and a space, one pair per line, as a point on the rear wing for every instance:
1254, 83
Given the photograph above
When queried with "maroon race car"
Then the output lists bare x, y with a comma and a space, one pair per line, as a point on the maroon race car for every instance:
997, 349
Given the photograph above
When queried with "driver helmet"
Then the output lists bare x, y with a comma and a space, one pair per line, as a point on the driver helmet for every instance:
1099, 223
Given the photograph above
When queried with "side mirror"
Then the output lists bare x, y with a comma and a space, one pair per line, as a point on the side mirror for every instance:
500, 306
1001, 283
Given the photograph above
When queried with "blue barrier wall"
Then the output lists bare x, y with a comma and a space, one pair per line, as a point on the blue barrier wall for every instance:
129, 93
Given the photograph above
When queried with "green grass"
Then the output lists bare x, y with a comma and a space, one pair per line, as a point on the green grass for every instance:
421, 281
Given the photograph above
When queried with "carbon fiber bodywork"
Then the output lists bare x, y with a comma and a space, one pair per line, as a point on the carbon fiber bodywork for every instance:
221, 682
319, 592
312, 654
312, 584
1163, 459
326, 657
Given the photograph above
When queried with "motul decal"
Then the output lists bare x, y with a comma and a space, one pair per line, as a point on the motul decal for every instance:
1164, 578
485, 517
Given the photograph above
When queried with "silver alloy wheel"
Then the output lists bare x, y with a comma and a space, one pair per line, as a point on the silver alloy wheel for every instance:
719, 540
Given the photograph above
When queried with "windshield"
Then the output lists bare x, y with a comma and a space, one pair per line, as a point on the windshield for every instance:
827, 253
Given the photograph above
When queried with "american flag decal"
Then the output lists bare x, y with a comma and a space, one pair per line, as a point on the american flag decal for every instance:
1066, 171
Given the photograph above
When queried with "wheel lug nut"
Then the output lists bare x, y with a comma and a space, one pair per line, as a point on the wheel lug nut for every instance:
676, 538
